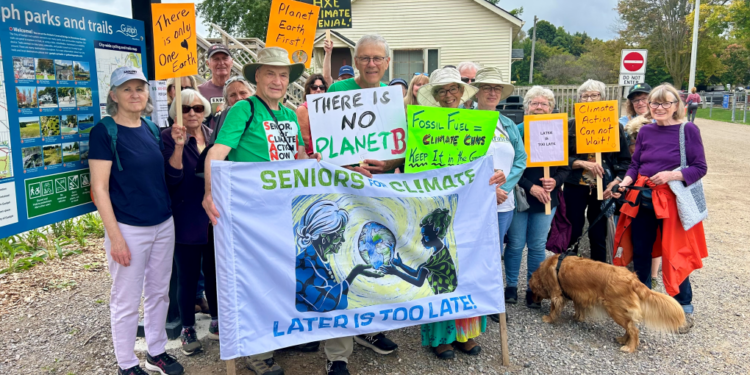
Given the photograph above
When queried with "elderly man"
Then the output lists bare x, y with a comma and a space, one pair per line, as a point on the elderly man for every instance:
468, 72
220, 63
235, 89
345, 72
271, 75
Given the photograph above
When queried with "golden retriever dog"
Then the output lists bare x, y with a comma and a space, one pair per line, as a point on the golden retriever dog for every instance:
597, 288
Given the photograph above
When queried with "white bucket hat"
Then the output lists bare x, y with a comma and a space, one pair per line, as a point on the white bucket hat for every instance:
493, 76
273, 56
440, 78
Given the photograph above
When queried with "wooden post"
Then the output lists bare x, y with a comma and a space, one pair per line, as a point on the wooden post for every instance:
231, 370
504, 339
599, 187
547, 206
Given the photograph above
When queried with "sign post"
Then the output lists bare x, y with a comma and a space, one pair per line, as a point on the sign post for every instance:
545, 138
633, 66
597, 131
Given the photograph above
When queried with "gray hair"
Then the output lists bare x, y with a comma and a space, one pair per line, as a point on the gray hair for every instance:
536, 92
188, 97
371, 38
468, 64
112, 107
229, 82
322, 217
592, 85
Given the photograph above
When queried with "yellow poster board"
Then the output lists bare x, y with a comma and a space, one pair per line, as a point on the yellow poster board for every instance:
597, 127
545, 138
175, 46
291, 26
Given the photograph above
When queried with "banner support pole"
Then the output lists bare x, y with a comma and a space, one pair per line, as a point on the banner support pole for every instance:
504, 338
231, 369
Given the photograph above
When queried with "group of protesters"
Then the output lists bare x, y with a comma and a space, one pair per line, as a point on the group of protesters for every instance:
153, 189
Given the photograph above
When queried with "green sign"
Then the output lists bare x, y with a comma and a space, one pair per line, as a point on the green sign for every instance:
57, 192
442, 137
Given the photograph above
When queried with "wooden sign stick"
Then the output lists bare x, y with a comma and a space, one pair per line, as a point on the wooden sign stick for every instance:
504, 339
231, 369
547, 206
599, 187
328, 35
178, 100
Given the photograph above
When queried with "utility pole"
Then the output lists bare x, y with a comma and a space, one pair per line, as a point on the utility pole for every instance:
533, 45
694, 53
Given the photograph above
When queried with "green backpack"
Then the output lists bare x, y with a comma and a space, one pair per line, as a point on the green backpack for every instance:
111, 127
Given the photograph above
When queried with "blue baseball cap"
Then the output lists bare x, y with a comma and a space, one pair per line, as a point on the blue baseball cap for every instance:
346, 69
124, 74
398, 81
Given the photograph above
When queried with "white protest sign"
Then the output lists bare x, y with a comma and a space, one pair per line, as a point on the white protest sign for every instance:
160, 115
350, 126
546, 140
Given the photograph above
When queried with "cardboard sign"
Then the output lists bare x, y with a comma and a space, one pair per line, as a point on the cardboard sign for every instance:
160, 115
348, 127
440, 137
292, 26
334, 14
545, 138
597, 127
175, 46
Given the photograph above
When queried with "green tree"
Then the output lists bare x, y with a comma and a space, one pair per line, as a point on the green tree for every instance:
242, 18
736, 58
544, 31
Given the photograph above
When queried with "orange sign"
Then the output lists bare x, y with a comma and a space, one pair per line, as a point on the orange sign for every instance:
175, 46
292, 26
597, 127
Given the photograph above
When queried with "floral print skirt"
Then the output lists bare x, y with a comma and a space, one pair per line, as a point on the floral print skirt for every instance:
447, 332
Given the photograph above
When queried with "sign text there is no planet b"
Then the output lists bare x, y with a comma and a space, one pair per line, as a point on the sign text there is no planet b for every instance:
334, 14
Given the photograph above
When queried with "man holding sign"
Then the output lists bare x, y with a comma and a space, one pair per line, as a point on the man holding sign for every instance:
599, 157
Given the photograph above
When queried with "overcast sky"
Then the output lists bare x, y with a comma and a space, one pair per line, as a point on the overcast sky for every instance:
596, 17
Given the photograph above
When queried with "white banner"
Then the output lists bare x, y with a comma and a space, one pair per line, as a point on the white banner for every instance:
308, 251
350, 126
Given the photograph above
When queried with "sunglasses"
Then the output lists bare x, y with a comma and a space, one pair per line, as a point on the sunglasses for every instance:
316, 87
467, 80
424, 74
197, 108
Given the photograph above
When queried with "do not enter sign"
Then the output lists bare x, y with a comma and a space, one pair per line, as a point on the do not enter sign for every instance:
633, 61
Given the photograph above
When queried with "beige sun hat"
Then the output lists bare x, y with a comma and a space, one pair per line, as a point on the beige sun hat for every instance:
440, 78
493, 76
273, 56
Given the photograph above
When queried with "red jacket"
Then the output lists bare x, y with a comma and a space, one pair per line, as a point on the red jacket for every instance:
681, 251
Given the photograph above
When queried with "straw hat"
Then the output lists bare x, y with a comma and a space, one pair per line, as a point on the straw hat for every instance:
440, 78
493, 76
273, 56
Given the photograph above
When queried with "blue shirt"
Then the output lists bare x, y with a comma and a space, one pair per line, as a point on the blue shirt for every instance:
317, 289
139, 192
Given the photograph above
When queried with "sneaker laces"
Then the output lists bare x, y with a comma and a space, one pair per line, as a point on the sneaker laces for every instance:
165, 358
373, 339
269, 362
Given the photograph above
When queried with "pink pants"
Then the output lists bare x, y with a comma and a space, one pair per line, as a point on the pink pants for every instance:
151, 249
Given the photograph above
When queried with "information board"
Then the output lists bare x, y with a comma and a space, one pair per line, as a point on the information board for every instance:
334, 14
55, 71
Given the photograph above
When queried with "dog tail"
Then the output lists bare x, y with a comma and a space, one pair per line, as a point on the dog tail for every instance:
660, 312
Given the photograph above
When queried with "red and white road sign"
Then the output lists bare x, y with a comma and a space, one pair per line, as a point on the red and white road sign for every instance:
633, 61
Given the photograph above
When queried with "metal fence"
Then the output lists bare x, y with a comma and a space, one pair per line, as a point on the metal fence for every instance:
567, 96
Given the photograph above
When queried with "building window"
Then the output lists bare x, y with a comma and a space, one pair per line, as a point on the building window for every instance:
432, 60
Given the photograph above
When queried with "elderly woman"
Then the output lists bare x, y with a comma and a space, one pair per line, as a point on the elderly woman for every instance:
315, 84
581, 199
186, 82
656, 156
235, 89
131, 195
445, 89
530, 228
637, 103
506, 147
194, 244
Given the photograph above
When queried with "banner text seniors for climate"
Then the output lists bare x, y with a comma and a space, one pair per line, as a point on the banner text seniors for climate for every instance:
309, 251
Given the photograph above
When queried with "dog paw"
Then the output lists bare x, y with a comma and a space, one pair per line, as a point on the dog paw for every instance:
547, 319
622, 340
627, 349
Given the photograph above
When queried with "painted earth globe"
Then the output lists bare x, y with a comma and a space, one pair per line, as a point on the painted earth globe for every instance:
376, 244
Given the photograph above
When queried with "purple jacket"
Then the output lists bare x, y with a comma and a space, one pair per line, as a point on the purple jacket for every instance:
186, 190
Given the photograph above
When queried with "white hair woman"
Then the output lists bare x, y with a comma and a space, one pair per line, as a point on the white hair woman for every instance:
194, 245
530, 227
581, 199
655, 160
130, 192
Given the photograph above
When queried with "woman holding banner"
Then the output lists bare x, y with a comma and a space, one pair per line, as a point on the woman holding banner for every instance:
445, 89
507, 146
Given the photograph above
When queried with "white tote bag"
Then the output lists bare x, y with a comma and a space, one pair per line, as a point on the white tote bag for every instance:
691, 201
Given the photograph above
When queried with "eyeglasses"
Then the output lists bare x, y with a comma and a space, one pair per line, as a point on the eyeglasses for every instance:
378, 60
467, 79
487, 89
591, 96
424, 74
539, 104
234, 79
197, 108
665, 105
640, 101
451, 90
316, 87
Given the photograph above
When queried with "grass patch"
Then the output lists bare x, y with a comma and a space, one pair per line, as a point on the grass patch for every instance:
30, 131
721, 114
72, 157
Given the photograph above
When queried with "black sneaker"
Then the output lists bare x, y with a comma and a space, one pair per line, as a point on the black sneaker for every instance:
511, 295
336, 368
530, 303
309, 347
378, 343
164, 363
190, 343
135, 370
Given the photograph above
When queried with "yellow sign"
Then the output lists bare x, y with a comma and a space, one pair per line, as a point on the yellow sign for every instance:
597, 127
292, 26
546, 140
175, 46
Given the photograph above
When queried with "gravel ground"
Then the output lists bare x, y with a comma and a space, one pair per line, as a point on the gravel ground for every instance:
65, 330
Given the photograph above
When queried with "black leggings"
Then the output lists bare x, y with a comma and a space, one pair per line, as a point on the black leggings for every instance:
577, 199
692, 110
188, 260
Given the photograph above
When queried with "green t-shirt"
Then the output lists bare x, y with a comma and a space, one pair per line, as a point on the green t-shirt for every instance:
347, 85
263, 140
